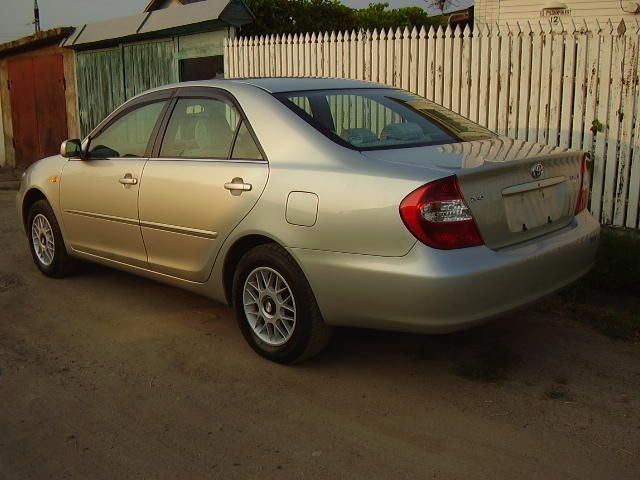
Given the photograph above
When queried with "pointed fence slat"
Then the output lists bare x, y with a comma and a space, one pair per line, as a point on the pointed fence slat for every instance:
601, 119
574, 88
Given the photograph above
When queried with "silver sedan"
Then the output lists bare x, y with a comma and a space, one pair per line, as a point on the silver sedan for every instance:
313, 203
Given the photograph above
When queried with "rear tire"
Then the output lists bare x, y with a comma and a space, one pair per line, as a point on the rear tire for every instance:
275, 307
46, 242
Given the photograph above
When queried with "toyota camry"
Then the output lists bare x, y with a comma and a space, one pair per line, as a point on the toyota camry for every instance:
308, 204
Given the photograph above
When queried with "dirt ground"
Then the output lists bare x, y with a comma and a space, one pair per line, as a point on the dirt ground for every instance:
106, 375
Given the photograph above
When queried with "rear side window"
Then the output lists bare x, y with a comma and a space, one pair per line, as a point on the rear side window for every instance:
200, 128
245, 147
129, 135
373, 119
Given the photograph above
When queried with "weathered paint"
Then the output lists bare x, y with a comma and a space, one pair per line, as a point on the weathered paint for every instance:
534, 82
148, 65
6, 122
3, 157
108, 77
100, 86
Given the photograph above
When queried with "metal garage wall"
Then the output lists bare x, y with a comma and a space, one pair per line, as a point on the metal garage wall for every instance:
3, 159
148, 65
106, 78
100, 86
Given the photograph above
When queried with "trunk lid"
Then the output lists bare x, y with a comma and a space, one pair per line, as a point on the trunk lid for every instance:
515, 190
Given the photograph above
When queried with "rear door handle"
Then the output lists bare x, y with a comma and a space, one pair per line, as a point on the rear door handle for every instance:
238, 185
128, 180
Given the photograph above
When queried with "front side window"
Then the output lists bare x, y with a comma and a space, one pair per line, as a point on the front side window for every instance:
129, 135
200, 128
371, 119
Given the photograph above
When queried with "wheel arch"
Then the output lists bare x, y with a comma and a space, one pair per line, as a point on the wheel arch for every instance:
237, 250
30, 197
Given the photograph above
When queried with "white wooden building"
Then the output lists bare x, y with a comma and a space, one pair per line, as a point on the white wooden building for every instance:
559, 12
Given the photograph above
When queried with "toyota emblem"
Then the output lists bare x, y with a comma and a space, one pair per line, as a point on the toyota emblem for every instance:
537, 170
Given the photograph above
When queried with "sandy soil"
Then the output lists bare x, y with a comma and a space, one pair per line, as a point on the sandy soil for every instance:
106, 375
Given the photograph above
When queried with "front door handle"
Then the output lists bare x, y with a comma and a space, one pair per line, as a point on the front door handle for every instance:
128, 180
237, 186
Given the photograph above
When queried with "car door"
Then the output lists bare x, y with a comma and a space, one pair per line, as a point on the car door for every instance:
99, 193
206, 174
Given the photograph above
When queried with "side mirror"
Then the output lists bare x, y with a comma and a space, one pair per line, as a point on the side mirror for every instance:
71, 149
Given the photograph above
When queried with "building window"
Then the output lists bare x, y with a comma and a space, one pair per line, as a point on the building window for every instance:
203, 68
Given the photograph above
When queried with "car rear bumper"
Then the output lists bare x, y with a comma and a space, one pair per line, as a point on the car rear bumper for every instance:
438, 291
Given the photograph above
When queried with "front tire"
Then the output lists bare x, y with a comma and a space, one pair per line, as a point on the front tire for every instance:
46, 242
275, 307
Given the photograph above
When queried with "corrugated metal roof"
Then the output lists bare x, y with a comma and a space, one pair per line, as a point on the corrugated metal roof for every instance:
158, 22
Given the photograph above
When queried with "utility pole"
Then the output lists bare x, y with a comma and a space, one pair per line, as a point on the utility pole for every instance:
36, 15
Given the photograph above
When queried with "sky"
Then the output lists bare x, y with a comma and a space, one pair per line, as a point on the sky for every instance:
16, 15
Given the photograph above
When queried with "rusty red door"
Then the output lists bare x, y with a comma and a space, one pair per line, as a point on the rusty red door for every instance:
38, 107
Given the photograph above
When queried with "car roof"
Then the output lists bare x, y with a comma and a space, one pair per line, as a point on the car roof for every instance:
289, 84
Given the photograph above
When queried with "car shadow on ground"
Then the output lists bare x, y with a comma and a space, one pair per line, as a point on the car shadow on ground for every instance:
538, 345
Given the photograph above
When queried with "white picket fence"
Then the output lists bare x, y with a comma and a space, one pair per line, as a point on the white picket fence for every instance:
574, 88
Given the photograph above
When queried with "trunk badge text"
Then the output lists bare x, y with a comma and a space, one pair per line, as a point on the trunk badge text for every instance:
537, 170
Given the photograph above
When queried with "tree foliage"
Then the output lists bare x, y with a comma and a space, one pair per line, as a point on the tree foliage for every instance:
295, 16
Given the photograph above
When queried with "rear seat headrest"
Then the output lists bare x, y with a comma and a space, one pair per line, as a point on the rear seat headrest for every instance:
402, 131
359, 136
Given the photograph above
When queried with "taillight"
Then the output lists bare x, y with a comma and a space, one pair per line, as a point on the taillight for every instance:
585, 182
437, 215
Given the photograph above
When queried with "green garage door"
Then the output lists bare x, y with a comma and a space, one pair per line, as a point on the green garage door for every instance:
148, 65
106, 78
100, 86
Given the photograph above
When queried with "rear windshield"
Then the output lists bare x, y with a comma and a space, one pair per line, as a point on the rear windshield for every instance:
375, 119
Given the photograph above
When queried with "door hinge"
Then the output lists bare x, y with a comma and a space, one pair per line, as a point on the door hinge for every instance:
8, 84
13, 142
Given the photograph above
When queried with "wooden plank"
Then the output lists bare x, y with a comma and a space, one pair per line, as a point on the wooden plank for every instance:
629, 72
603, 89
591, 94
439, 67
447, 67
413, 60
397, 58
366, 51
333, 56
382, 57
633, 204
524, 88
515, 56
430, 74
326, 55
375, 52
290, 56
616, 110
465, 72
503, 81
545, 82
494, 76
339, 55
556, 86
579, 89
475, 72
484, 85
405, 60
456, 70
389, 60
353, 56
535, 90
